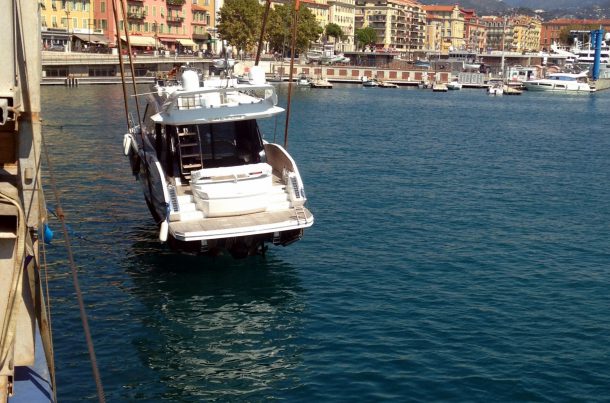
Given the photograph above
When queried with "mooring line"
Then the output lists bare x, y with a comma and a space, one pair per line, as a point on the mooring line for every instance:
79, 294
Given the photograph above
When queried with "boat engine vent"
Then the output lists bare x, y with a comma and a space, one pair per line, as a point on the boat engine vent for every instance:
295, 186
173, 197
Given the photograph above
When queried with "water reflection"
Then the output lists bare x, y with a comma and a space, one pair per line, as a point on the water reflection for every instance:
215, 327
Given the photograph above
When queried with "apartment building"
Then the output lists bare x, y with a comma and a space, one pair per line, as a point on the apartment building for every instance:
450, 21
183, 25
550, 30
499, 33
62, 19
342, 13
526, 34
475, 32
399, 24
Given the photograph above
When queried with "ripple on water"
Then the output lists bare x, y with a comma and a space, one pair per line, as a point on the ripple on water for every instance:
460, 252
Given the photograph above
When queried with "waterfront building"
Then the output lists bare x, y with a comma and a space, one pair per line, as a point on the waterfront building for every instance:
60, 20
551, 30
203, 25
175, 25
416, 26
342, 13
526, 34
475, 32
399, 24
434, 29
451, 19
498, 32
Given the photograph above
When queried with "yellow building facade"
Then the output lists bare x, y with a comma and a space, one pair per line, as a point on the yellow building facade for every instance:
450, 21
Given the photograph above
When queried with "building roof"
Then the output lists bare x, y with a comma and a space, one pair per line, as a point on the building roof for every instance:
574, 21
313, 3
439, 8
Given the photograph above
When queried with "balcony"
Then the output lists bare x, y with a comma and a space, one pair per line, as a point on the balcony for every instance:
136, 15
174, 19
175, 3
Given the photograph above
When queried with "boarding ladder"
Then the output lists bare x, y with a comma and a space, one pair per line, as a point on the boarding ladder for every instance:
190, 152
300, 215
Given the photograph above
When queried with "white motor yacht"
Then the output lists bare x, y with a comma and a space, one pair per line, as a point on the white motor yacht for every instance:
454, 84
209, 179
561, 82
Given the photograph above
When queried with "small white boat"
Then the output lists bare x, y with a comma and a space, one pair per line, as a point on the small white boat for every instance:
320, 83
387, 84
496, 87
369, 82
561, 82
454, 85
303, 81
424, 84
209, 179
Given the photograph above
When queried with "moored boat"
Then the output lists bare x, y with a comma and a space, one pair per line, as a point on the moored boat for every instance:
454, 85
303, 81
387, 84
561, 82
320, 83
209, 179
369, 82
495, 87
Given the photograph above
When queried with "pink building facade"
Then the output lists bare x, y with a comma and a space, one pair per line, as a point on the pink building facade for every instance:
172, 25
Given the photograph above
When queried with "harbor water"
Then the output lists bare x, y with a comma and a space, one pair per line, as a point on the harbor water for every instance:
461, 252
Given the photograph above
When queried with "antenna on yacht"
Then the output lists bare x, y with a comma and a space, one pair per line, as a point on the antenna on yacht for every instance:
295, 22
263, 28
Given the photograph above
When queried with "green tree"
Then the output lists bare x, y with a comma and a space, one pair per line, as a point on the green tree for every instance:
334, 31
240, 23
568, 39
366, 36
279, 28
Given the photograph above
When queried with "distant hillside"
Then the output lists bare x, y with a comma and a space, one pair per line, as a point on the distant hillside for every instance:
553, 4
595, 9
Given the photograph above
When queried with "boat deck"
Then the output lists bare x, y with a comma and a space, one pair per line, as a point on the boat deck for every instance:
240, 225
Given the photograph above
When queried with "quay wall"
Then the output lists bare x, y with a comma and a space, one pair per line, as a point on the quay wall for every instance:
104, 68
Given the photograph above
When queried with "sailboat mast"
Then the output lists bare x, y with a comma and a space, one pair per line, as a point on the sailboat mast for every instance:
263, 28
295, 22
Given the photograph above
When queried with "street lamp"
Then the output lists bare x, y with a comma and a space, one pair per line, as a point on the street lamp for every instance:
156, 38
67, 11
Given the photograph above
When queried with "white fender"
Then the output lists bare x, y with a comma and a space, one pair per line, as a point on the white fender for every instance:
164, 231
126, 144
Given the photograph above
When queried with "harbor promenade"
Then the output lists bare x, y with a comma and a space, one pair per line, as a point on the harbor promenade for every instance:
63, 68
